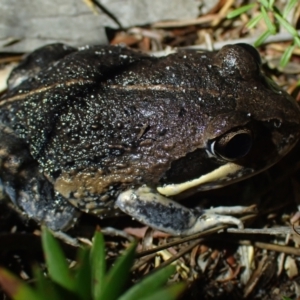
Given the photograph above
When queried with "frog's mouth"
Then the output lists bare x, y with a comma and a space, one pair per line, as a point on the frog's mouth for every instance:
230, 172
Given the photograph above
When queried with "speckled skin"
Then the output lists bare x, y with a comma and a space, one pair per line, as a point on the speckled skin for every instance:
95, 122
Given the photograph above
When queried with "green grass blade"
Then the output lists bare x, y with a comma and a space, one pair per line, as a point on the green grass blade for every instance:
286, 56
262, 38
240, 11
56, 262
83, 276
286, 25
253, 22
118, 275
291, 4
16, 288
268, 21
169, 293
98, 265
297, 41
149, 284
265, 3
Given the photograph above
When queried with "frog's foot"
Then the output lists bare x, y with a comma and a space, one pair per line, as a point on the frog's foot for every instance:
28, 188
40, 203
161, 213
55, 212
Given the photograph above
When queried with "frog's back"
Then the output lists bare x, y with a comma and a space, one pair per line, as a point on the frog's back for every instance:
106, 106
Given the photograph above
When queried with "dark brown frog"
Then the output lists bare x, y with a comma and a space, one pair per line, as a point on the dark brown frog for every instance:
106, 127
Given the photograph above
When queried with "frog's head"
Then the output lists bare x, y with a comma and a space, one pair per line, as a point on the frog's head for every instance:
237, 143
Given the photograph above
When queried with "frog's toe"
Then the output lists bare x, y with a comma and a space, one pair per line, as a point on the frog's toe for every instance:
232, 210
209, 220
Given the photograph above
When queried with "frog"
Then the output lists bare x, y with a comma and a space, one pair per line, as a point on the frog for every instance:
108, 129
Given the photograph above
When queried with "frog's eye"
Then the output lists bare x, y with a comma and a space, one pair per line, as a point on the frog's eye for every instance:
252, 51
232, 145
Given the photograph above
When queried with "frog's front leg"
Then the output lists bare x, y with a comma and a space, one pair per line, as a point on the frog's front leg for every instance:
153, 209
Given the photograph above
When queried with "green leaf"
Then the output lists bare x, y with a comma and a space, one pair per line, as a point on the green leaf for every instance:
240, 11
262, 38
297, 41
271, 3
149, 284
83, 276
98, 266
252, 23
268, 21
16, 288
264, 3
286, 25
169, 293
286, 55
45, 287
56, 261
118, 275
291, 4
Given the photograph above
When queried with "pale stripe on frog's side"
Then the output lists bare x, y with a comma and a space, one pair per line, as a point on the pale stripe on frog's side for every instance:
23, 95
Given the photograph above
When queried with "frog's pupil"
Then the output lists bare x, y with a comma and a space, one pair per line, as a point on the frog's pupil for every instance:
233, 145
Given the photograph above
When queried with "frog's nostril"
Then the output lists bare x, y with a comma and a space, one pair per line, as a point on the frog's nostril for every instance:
232, 145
